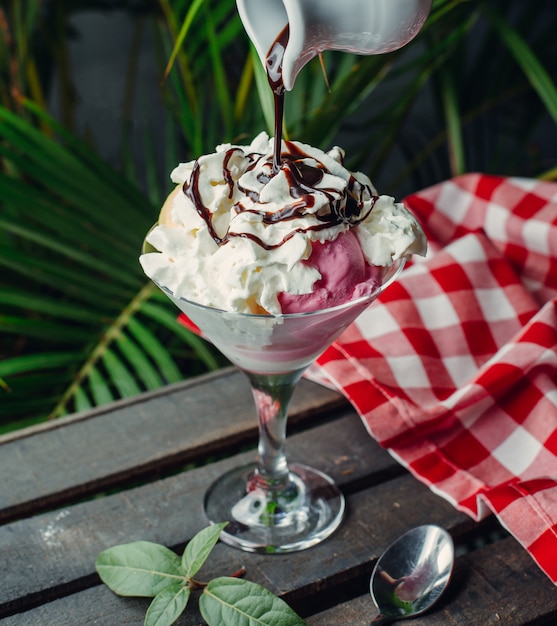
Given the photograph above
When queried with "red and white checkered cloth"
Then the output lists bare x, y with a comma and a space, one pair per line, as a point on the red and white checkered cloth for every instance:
454, 368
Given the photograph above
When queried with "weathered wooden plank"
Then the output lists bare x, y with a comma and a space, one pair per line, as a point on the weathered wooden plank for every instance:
496, 584
141, 437
51, 554
98, 606
65, 542
49, 577
306, 580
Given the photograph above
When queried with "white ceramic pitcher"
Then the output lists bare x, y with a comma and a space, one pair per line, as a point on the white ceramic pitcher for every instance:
358, 26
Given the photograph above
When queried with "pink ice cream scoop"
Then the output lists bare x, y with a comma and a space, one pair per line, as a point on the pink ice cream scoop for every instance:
345, 275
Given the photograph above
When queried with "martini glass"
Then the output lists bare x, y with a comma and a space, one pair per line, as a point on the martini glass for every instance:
273, 506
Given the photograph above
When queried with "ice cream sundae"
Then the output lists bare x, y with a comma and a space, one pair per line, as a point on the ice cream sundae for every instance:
273, 249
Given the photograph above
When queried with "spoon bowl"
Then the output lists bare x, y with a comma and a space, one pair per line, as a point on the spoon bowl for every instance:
412, 573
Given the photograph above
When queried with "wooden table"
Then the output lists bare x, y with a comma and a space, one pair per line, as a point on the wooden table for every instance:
131, 471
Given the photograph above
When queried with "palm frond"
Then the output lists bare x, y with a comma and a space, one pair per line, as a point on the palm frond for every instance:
76, 308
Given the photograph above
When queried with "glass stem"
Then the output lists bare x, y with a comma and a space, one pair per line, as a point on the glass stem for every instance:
272, 394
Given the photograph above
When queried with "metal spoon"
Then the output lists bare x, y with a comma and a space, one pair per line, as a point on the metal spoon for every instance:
412, 573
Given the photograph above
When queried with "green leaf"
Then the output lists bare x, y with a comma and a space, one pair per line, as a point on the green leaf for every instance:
82, 402
199, 548
539, 78
63, 279
100, 388
453, 121
37, 362
170, 320
139, 361
155, 349
194, 8
218, 62
140, 568
237, 602
50, 331
167, 606
18, 297
69, 250
120, 375
264, 93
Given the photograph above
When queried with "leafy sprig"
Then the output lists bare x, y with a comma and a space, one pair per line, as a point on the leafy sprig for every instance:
146, 569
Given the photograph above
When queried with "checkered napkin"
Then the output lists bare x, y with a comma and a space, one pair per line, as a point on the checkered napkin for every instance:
454, 368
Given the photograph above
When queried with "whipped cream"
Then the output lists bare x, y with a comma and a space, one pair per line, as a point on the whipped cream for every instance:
234, 234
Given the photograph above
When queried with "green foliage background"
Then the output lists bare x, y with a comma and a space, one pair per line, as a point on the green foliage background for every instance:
79, 324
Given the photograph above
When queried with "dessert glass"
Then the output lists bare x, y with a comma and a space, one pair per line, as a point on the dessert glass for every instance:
273, 506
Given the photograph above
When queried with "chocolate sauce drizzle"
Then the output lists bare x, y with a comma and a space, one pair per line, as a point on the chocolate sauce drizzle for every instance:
275, 57
303, 179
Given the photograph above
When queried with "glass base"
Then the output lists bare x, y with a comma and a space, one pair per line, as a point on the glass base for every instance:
292, 517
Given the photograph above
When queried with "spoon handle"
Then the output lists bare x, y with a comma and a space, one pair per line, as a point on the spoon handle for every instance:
380, 620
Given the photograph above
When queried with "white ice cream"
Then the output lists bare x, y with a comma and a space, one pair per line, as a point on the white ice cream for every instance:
232, 236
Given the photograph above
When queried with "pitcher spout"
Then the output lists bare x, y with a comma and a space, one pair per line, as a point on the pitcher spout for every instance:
356, 26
